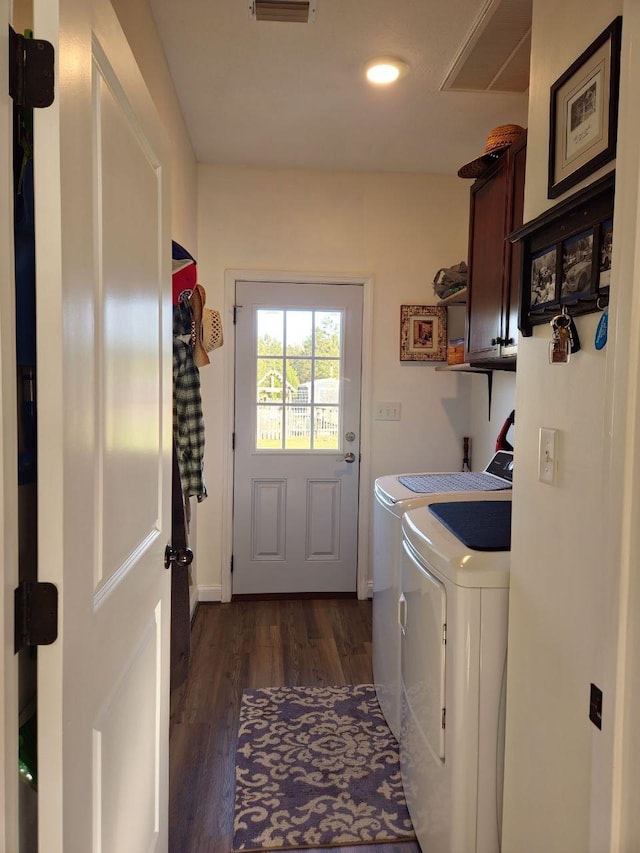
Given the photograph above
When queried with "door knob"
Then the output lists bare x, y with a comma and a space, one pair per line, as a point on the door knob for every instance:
349, 457
179, 556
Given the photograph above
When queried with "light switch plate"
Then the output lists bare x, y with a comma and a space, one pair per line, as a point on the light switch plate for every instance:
547, 455
387, 411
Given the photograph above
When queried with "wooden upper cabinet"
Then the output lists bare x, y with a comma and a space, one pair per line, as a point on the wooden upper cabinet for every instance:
497, 201
513, 251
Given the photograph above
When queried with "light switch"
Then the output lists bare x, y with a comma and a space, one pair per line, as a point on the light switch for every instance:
547, 455
387, 411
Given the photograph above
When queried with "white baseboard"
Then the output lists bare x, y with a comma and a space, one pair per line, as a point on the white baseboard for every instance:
210, 593
214, 593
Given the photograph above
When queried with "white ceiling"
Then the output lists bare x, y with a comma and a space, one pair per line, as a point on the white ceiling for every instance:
291, 94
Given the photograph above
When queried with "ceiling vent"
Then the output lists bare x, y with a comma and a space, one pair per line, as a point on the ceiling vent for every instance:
496, 53
283, 11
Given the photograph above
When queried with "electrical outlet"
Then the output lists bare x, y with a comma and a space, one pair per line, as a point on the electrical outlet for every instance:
387, 411
547, 455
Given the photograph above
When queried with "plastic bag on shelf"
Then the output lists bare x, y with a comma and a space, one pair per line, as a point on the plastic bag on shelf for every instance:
450, 280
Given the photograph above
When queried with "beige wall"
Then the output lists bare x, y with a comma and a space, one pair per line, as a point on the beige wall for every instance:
561, 580
484, 430
399, 228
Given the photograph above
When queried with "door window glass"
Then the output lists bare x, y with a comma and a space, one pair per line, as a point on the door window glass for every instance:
298, 379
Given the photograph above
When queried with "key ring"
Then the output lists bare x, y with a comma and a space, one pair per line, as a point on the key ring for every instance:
561, 321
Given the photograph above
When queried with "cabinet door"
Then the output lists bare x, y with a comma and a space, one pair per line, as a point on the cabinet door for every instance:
488, 226
518, 158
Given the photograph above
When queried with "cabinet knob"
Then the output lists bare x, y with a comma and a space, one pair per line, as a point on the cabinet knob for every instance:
497, 342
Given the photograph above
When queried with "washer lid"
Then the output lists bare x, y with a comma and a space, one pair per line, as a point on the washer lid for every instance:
449, 557
497, 476
394, 488
480, 525
398, 506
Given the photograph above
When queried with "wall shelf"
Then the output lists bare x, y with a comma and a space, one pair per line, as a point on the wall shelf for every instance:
465, 367
486, 369
507, 363
457, 298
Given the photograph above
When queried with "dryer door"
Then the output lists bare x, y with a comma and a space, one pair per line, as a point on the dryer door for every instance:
424, 650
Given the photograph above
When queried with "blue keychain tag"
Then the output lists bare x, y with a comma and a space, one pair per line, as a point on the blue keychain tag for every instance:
601, 331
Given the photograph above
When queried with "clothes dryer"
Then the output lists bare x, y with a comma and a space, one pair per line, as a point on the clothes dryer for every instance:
394, 495
454, 615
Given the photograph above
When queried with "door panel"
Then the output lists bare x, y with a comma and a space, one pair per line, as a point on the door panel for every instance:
268, 513
129, 450
297, 391
104, 420
115, 827
323, 519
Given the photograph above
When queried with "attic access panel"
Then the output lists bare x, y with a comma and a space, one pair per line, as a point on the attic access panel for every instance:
495, 54
283, 11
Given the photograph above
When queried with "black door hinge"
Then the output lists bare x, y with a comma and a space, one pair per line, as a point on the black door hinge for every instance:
233, 441
31, 71
36, 614
232, 564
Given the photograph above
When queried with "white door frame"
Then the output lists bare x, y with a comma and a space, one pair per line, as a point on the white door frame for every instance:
364, 498
615, 820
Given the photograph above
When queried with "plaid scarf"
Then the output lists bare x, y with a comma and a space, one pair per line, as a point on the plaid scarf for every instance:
188, 422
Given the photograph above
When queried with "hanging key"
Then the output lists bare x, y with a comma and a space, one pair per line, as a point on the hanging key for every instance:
560, 344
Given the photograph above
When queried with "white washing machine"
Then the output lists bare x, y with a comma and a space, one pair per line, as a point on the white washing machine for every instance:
454, 616
395, 495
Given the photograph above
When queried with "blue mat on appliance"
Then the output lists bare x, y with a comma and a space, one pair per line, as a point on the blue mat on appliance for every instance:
480, 525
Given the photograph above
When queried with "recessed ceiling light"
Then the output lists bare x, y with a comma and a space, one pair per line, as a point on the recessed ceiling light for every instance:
385, 70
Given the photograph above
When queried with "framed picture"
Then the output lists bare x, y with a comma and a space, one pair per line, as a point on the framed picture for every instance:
543, 277
584, 113
423, 333
566, 256
605, 246
577, 266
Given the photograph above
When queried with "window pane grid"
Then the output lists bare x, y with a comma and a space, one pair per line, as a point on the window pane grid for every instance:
298, 372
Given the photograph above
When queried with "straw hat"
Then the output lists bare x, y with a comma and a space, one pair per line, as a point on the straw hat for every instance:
206, 327
212, 337
499, 139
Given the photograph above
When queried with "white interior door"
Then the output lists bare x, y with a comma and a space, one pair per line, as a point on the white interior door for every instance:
8, 464
297, 437
104, 438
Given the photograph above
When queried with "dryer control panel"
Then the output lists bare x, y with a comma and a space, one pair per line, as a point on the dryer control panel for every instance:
502, 465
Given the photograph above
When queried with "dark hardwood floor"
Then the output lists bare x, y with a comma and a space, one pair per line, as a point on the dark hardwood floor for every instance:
242, 645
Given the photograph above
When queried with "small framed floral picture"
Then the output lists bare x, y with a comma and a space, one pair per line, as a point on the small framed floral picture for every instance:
423, 333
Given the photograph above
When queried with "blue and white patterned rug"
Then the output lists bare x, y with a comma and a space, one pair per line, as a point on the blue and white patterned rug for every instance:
316, 767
